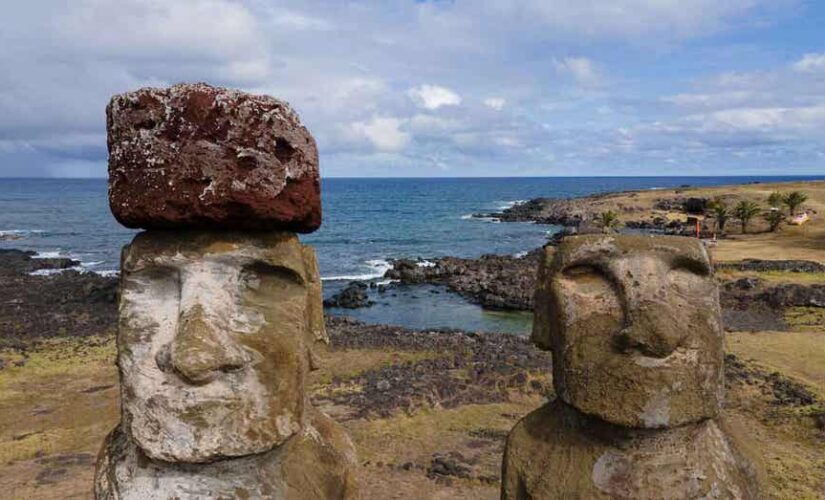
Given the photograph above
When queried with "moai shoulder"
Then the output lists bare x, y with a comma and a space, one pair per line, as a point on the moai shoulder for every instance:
634, 326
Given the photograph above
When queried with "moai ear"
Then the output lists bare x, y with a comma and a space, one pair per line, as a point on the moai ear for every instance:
316, 330
540, 335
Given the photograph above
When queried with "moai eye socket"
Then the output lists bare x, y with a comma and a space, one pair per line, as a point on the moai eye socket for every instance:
586, 279
253, 274
159, 279
587, 292
579, 270
690, 265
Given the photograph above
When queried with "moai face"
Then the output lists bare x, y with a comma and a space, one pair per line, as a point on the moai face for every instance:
215, 333
634, 326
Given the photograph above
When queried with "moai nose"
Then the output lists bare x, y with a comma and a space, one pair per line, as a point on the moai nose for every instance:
651, 325
200, 352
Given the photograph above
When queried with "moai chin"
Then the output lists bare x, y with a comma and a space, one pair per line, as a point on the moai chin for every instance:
216, 333
634, 326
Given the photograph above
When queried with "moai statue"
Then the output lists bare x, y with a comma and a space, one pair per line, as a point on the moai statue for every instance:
220, 306
634, 326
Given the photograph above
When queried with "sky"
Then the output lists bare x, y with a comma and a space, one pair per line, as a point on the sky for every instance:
440, 88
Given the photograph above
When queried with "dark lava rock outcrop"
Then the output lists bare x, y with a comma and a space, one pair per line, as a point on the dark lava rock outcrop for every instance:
353, 296
24, 261
758, 265
492, 281
66, 304
198, 156
463, 368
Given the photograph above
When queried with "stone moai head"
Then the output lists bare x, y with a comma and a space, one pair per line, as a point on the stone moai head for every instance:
634, 326
215, 339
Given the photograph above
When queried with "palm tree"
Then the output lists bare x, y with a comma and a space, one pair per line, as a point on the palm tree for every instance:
608, 221
721, 213
774, 219
793, 200
745, 210
775, 199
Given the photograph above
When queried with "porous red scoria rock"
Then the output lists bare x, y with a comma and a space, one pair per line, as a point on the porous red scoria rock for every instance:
198, 156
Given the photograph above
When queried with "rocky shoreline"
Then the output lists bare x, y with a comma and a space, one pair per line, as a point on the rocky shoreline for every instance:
64, 304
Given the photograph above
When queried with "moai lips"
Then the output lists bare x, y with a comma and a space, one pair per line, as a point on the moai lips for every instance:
635, 324
196, 156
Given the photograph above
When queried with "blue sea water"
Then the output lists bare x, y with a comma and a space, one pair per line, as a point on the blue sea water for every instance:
366, 222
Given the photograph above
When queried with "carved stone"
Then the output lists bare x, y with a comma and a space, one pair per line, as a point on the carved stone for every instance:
215, 339
197, 156
634, 326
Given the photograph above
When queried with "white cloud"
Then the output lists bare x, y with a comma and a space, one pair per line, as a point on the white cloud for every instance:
581, 69
812, 117
384, 133
810, 63
496, 103
434, 96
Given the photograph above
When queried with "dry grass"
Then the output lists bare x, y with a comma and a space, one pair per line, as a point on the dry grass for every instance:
805, 242
54, 413
798, 355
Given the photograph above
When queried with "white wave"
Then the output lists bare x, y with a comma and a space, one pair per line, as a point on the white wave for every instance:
426, 263
467, 217
50, 272
520, 255
510, 204
107, 273
378, 266
91, 264
491, 220
386, 282
48, 255
19, 232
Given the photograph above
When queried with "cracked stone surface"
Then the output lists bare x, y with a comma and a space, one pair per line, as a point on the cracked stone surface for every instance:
215, 338
634, 326
197, 156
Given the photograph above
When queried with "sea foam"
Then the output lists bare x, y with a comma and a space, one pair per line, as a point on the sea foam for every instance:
378, 267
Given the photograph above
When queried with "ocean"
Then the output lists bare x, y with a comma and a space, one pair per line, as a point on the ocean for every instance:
365, 223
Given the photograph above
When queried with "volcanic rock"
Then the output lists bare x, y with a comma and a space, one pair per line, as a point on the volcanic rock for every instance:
198, 156
352, 296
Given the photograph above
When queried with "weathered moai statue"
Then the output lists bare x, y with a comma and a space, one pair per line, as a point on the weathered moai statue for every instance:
220, 304
634, 326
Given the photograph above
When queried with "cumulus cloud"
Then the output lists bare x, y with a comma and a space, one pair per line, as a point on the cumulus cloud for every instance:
581, 69
811, 63
434, 96
496, 103
384, 133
